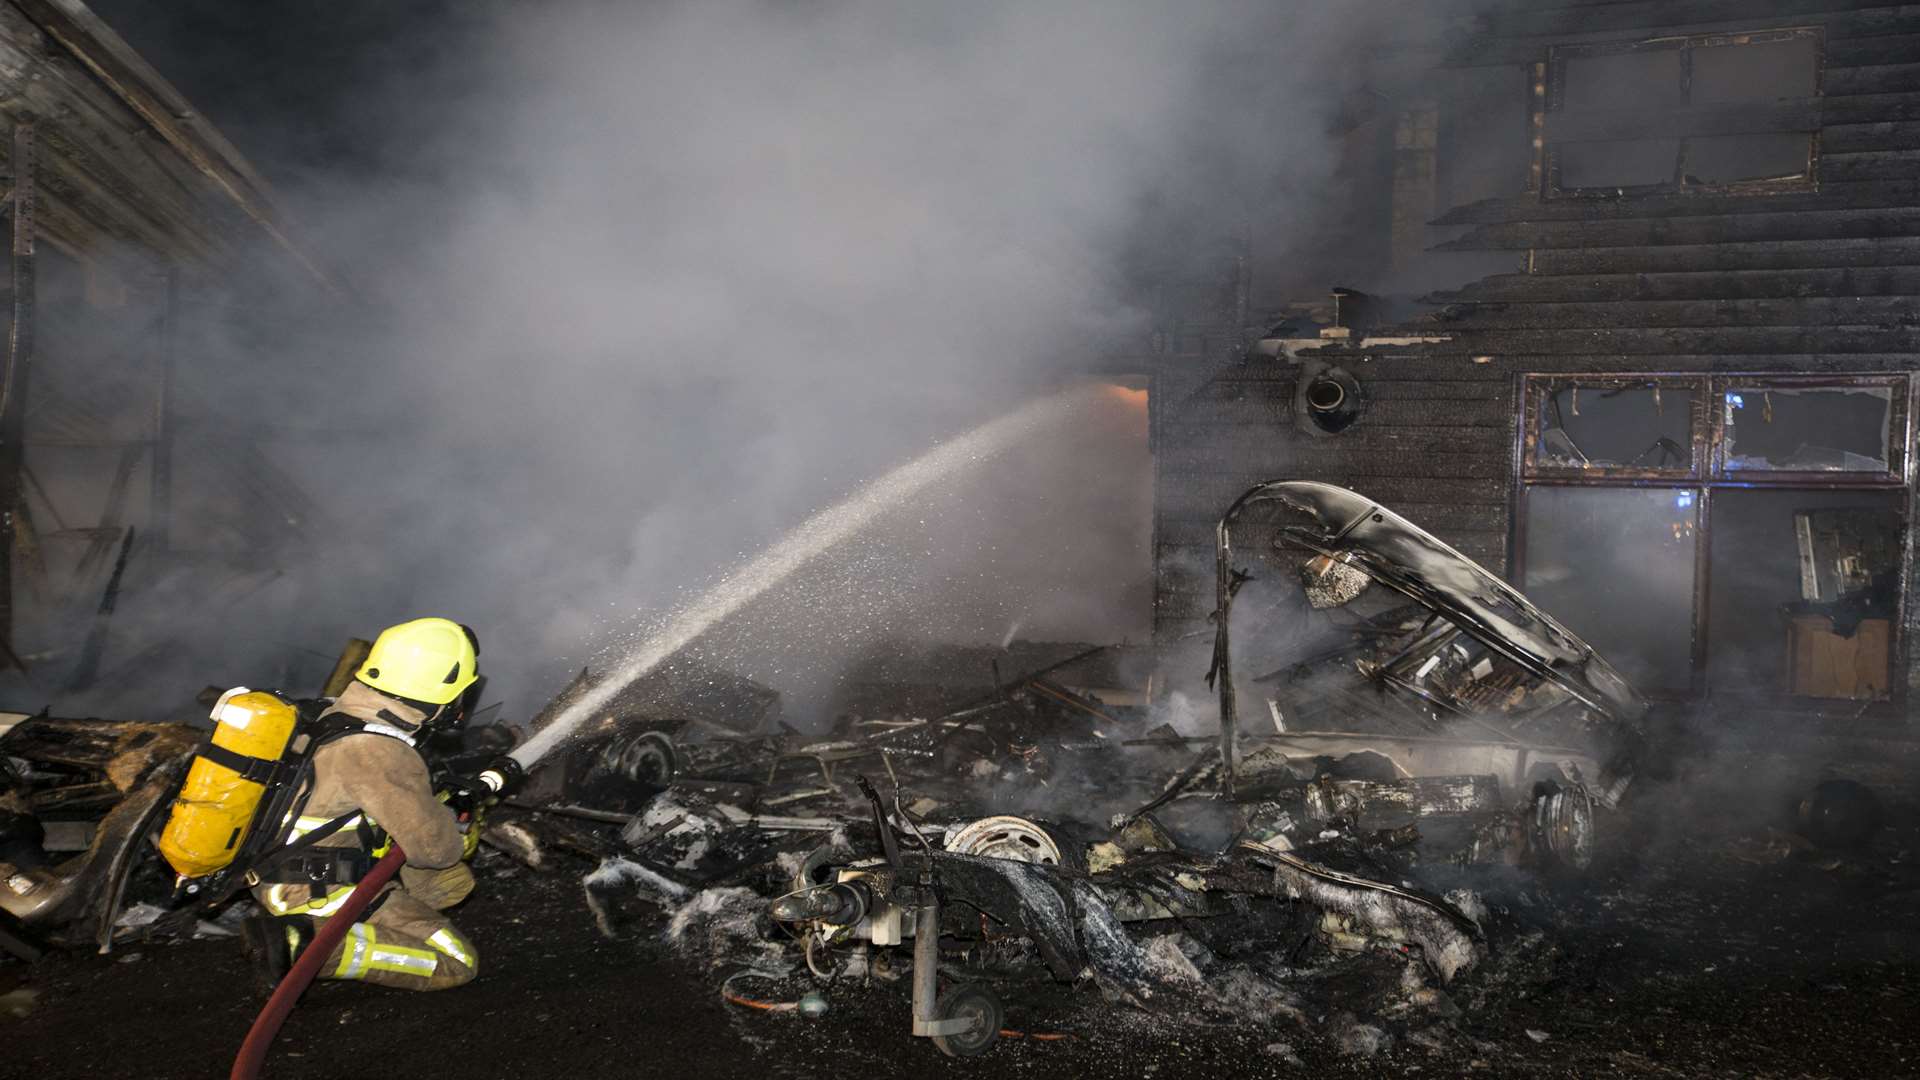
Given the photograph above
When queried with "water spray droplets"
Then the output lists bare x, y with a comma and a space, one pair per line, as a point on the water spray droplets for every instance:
818, 534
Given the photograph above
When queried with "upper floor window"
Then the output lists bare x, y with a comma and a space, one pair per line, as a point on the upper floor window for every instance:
1711, 112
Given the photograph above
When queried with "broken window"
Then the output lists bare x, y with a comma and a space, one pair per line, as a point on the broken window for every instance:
1605, 424
1677, 113
1775, 573
1616, 565
1847, 429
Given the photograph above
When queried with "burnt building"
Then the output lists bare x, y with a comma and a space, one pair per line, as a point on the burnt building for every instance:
141, 243
1656, 355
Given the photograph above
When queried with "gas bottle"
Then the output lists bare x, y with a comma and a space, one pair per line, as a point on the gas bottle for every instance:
224, 785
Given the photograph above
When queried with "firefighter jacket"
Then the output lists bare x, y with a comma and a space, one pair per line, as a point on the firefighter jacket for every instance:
378, 773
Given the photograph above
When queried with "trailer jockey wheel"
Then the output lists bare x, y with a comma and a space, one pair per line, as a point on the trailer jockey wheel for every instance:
975, 1003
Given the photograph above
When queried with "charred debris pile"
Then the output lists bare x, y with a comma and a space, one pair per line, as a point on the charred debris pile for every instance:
1400, 774
985, 827
1041, 832
1432, 758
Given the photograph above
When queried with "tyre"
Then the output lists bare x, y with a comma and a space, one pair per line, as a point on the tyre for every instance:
969, 1003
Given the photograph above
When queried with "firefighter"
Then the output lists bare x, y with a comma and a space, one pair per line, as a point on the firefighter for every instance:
372, 786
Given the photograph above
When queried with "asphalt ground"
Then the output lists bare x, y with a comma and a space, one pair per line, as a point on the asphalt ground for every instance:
1693, 948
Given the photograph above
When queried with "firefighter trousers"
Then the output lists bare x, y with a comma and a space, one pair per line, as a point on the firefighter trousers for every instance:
405, 944
407, 941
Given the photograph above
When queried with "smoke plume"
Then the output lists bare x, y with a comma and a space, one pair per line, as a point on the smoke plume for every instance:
638, 287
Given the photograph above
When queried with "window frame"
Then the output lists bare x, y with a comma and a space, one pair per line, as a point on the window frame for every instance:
1539, 387
1688, 122
1707, 476
1899, 464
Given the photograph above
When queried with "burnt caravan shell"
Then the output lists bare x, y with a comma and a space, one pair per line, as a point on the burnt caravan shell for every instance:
1596, 715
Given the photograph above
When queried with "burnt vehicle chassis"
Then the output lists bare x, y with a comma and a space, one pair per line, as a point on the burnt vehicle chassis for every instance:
1444, 672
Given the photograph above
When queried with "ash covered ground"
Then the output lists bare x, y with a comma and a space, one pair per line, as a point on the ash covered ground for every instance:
1704, 940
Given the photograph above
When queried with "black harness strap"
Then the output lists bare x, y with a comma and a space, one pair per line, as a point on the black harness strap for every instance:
329, 866
254, 769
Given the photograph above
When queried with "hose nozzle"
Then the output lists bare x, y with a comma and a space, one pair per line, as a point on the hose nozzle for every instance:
504, 775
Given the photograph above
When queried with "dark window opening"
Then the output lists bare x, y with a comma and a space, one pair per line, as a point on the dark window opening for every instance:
1616, 565
1770, 581
1805, 593
1753, 72
1644, 78
1633, 427
1677, 91
1735, 159
1826, 429
1619, 163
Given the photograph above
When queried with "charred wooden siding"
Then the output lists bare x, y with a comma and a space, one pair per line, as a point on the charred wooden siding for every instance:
1433, 443
1825, 278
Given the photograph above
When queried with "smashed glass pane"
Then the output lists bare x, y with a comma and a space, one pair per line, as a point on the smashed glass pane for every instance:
1828, 429
1616, 566
1639, 427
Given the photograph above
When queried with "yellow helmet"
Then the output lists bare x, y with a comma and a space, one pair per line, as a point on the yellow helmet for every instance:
430, 660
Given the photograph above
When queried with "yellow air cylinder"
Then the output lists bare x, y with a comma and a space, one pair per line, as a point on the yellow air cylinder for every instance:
216, 804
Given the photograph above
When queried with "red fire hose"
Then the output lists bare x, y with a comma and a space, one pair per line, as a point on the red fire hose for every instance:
253, 1052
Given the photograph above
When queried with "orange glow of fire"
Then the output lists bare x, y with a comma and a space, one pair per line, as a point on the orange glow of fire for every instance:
1128, 395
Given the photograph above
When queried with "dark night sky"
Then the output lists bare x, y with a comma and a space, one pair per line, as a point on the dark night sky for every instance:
311, 87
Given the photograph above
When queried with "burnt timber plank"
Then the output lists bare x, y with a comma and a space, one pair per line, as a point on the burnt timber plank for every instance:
1872, 311
81, 197
1481, 410
1865, 363
1863, 52
1489, 462
56, 87
1495, 49
1873, 165
96, 169
1874, 78
1704, 285
141, 89
1744, 340
1383, 386
1380, 385
1711, 229
1879, 135
1666, 14
1861, 195
1252, 439
1699, 258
